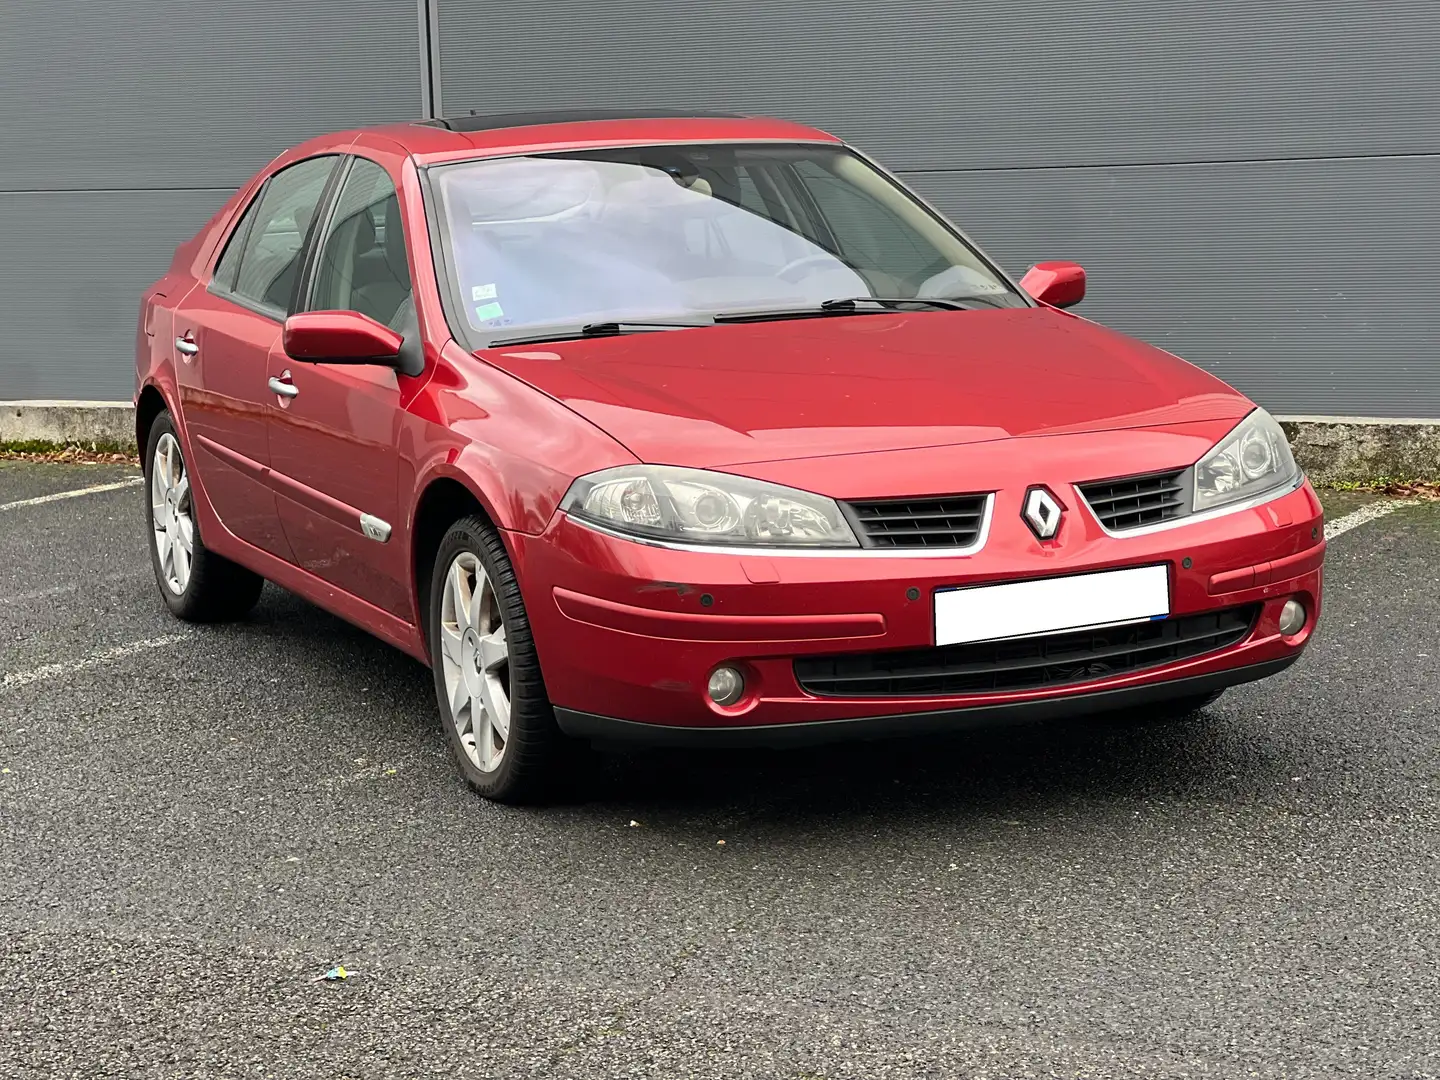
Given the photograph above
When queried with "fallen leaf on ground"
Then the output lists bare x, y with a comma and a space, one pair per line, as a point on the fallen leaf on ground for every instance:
1418, 489
70, 455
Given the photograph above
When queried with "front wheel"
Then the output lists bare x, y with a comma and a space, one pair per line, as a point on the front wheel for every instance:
196, 584
498, 719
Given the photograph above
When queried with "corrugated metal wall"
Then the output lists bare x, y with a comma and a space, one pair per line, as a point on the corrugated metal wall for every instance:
125, 125
1255, 186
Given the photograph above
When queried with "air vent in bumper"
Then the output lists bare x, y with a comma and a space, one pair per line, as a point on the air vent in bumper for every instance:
1024, 663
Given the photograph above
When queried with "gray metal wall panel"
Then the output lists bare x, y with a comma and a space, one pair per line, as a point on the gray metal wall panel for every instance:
124, 125
1294, 281
947, 83
70, 304
175, 93
1271, 258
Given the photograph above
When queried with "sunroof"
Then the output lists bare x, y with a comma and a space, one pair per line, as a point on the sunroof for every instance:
492, 121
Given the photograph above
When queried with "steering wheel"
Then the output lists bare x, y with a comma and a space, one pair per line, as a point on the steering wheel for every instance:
818, 258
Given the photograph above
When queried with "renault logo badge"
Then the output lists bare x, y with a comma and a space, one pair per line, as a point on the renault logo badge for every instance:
1042, 513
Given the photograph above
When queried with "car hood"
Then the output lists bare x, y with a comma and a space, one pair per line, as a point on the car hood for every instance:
772, 391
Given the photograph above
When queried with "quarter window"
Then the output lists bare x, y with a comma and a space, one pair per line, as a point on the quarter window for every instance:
229, 264
284, 215
362, 265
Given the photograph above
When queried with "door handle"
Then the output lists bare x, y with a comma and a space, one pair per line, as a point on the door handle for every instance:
282, 387
186, 346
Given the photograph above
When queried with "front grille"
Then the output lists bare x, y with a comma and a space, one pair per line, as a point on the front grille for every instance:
951, 521
1134, 501
1076, 656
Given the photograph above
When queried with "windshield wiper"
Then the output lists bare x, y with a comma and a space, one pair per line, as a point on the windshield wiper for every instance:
595, 329
841, 306
846, 305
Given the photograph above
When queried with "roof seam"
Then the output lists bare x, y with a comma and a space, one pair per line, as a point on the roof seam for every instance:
474, 121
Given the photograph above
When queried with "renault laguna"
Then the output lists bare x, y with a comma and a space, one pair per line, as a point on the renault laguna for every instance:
697, 429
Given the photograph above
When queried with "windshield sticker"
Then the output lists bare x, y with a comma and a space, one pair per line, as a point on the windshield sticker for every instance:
486, 312
483, 292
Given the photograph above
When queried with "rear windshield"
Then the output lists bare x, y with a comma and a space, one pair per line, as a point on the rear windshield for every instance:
679, 232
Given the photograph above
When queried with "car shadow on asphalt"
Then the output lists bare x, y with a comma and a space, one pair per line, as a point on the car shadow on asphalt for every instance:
1208, 756
1035, 767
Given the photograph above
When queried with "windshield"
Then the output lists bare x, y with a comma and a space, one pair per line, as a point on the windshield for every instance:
687, 232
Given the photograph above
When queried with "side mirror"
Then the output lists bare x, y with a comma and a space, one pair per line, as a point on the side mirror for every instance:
340, 337
1059, 284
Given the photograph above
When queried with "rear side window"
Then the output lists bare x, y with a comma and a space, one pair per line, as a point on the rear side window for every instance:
274, 232
229, 264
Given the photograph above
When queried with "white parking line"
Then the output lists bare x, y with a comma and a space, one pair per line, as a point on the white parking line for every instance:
49, 671
73, 494
1360, 517
43, 594
107, 585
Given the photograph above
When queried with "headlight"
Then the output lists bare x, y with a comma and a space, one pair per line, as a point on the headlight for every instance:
1252, 459
696, 507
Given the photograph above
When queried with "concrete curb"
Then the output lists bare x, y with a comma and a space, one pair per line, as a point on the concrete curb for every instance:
105, 423
1332, 449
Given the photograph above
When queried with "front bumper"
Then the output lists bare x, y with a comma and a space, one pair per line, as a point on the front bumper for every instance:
581, 725
628, 633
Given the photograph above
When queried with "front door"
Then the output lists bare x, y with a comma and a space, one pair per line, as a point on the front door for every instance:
224, 336
334, 434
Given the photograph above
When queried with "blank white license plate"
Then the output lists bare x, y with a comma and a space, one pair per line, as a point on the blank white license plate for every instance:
1047, 605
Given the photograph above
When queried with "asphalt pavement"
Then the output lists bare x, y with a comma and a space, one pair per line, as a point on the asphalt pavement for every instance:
195, 823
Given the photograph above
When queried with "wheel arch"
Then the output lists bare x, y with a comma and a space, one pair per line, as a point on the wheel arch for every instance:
445, 497
148, 405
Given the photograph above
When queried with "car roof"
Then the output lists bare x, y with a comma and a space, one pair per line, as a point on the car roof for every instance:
474, 121
476, 134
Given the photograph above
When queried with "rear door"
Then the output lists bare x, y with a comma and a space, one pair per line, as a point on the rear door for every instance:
224, 335
334, 433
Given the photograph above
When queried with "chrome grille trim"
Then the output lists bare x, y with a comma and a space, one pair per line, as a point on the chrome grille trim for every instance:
1134, 502
954, 523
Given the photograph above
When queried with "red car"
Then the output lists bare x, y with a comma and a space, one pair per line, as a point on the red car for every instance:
697, 429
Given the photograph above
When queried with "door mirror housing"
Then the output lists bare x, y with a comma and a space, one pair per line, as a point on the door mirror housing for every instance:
340, 337
1059, 284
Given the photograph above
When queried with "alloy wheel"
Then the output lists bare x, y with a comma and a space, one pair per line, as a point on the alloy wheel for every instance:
172, 514
475, 660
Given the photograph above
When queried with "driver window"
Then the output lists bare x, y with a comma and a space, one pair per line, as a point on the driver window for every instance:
362, 265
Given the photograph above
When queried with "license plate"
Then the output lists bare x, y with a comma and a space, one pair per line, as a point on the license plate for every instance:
1048, 605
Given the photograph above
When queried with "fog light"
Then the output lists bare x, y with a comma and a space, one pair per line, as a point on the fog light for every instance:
1292, 618
726, 686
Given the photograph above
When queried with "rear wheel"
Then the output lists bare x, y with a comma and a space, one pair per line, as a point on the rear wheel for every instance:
196, 584
497, 717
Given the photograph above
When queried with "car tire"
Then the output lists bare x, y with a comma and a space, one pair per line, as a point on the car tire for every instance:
196, 584
487, 671
1162, 712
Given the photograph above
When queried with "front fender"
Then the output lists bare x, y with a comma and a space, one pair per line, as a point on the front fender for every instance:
512, 448
516, 449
